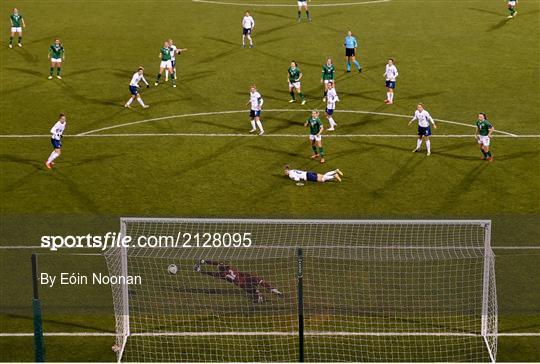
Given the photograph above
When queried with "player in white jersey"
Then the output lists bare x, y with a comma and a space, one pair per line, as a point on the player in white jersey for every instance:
256, 101
134, 88
424, 129
331, 99
174, 51
300, 176
248, 24
56, 140
390, 75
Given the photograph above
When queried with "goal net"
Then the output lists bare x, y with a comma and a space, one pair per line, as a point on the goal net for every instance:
218, 290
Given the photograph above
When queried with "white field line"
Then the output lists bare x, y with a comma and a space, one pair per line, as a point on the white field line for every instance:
270, 333
87, 133
229, 135
289, 5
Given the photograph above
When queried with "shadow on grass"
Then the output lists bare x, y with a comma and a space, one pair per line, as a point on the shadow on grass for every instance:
58, 322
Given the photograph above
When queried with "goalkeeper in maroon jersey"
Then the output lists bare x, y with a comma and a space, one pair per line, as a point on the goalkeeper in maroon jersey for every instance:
249, 282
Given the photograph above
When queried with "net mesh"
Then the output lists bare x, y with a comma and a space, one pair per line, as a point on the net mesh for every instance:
372, 291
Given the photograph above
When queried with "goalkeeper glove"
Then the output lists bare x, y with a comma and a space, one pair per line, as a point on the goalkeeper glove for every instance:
275, 291
197, 268
202, 261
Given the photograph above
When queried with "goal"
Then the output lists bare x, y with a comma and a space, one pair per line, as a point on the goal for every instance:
231, 290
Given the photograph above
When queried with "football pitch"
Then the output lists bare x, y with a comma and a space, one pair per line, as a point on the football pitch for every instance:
190, 154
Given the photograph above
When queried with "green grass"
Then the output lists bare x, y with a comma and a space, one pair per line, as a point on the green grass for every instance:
458, 58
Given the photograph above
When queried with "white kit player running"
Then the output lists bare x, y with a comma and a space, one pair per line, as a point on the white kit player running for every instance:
390, 74
331, 99
424, 129
56, 140
174, 52
248, 24
134, 88
256, 101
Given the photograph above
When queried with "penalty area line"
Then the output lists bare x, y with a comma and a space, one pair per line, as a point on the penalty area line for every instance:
288, 5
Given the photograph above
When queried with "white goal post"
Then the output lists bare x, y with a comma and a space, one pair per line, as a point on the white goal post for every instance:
253, 290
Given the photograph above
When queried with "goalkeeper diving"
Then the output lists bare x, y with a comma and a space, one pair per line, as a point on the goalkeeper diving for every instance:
248, 282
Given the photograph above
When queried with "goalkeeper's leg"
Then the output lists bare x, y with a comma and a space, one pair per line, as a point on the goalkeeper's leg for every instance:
269, 287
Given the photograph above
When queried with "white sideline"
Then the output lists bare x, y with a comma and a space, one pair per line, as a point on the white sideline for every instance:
289, 5
270, 333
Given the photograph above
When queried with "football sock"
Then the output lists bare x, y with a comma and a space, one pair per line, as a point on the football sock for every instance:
314, 149
512, 11
391, 96
20, 40
158, 77
327, 177
325, 93
253, 125
331, 173
348, 66
301, 96
418, 143
250, 40
483, 153
259, 124
292, 95
299, 14
488, 153
307, 14
53, 156
140, 101
332, 122
58, 70
243, 40
173, 78
428, 146
52, 70
357, 64
10, 40
388, 96
321, 151
129, 101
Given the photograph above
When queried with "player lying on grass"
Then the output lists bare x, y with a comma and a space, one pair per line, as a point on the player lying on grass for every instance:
424, 130
17, 25
299, 176
484, 129
56, 140
134, 88
249, 282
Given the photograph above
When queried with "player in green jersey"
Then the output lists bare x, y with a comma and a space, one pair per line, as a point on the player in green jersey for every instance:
57, 54
512, 8
328, 71
315, 135
303, 4
165, 55
294, 75
484, 129
17, 23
